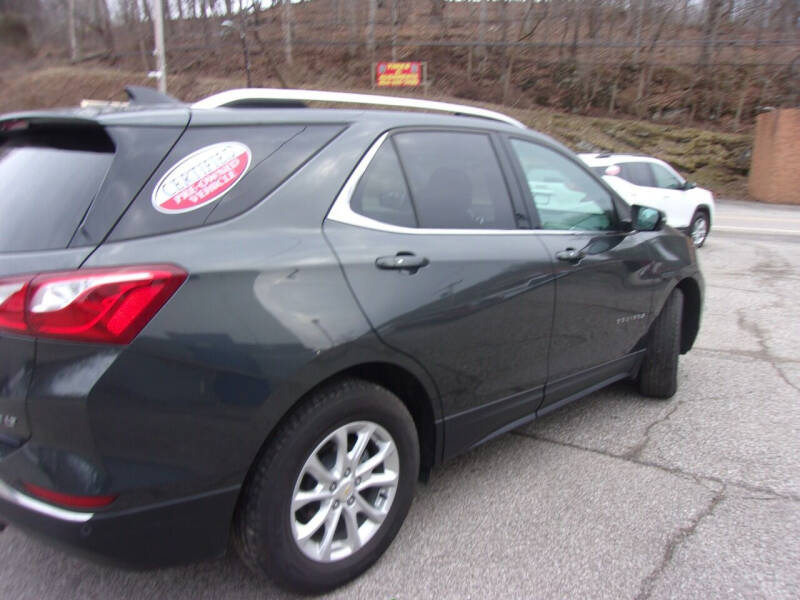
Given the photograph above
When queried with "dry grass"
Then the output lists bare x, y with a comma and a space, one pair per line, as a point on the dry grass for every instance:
716, 160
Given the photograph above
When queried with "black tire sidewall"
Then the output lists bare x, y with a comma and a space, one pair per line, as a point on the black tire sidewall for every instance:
659, 371
284, 561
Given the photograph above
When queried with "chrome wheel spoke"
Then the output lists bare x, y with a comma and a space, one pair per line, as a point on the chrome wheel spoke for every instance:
364, 436
340, 438
372, 462
378, 480
318, 471
331, 523
302, 498
353, 539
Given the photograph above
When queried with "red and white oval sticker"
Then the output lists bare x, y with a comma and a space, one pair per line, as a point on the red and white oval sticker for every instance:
201, 178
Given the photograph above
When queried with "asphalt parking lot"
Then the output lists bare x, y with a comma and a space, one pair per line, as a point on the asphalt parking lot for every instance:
615, 496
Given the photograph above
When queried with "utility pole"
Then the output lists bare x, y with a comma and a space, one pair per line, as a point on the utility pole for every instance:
160, 51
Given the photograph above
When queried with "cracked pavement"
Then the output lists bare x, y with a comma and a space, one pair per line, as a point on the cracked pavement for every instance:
615, 496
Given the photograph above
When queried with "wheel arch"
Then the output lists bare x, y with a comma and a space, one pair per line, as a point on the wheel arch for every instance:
692, 304
704, 208
405, 385
420, 400
413, 389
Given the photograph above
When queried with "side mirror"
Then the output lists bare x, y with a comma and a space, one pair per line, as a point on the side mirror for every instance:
644, 218
689, 185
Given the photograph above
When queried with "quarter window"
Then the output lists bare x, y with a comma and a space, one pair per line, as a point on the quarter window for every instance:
382, 193
564, 195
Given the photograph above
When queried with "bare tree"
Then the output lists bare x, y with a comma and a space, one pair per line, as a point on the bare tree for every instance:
593, 18
395, 23
104, 18
483, 16
286, 23
639, 27
529, 23
72, 24
646, 71
373, 8
576, 19
437, 9
353, 18
710, 27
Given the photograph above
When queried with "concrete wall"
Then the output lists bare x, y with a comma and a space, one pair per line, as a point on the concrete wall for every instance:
775, 168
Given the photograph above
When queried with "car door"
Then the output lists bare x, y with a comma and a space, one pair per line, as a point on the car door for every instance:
603, 282
426, 231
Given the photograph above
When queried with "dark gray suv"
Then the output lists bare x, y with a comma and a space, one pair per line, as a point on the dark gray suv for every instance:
250, 320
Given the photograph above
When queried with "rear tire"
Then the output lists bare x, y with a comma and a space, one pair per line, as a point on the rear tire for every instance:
658, 376
699, 227
305, 457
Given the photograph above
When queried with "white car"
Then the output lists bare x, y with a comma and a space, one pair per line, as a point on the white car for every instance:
548, 184
652, 182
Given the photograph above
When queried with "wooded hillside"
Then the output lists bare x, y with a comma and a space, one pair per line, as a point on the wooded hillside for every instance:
708, 62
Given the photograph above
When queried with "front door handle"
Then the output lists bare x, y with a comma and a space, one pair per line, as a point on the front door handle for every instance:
402, 262
570, 255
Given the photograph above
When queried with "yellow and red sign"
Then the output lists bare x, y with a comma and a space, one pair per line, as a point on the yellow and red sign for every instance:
398, 74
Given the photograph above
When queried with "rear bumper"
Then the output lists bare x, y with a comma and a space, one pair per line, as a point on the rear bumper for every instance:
158, 535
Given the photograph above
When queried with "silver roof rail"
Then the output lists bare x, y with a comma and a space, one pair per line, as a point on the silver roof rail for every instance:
233, 97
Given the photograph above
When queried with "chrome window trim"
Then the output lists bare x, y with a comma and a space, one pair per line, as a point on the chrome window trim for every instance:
230, 97
16, 497
341, 212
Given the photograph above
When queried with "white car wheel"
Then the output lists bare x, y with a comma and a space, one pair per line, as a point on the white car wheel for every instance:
698, 229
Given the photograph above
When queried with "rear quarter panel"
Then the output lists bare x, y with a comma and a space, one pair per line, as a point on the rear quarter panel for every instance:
264, 316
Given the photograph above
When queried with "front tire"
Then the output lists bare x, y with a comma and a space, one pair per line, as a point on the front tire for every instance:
331, 489
699, 228
658, 376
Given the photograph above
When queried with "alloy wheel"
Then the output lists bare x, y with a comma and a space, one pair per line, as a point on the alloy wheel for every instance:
699, 231
344, 491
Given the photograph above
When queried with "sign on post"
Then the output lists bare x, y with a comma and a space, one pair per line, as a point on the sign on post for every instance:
399, 74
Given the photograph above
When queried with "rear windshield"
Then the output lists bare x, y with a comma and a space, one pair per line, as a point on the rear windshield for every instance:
48, 178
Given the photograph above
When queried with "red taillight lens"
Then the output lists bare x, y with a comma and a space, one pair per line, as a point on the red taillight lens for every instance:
69, 500
92, 305
13, 291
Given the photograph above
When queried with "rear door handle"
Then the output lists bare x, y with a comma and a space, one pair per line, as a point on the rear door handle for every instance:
402, 262
570, 255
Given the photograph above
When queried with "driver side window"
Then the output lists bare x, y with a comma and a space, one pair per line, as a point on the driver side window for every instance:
564, 195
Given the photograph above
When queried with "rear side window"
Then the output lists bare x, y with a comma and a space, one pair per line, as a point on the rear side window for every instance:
49, 175
637, 173
455, 180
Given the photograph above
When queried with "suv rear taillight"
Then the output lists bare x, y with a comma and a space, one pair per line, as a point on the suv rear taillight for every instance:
89, 305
